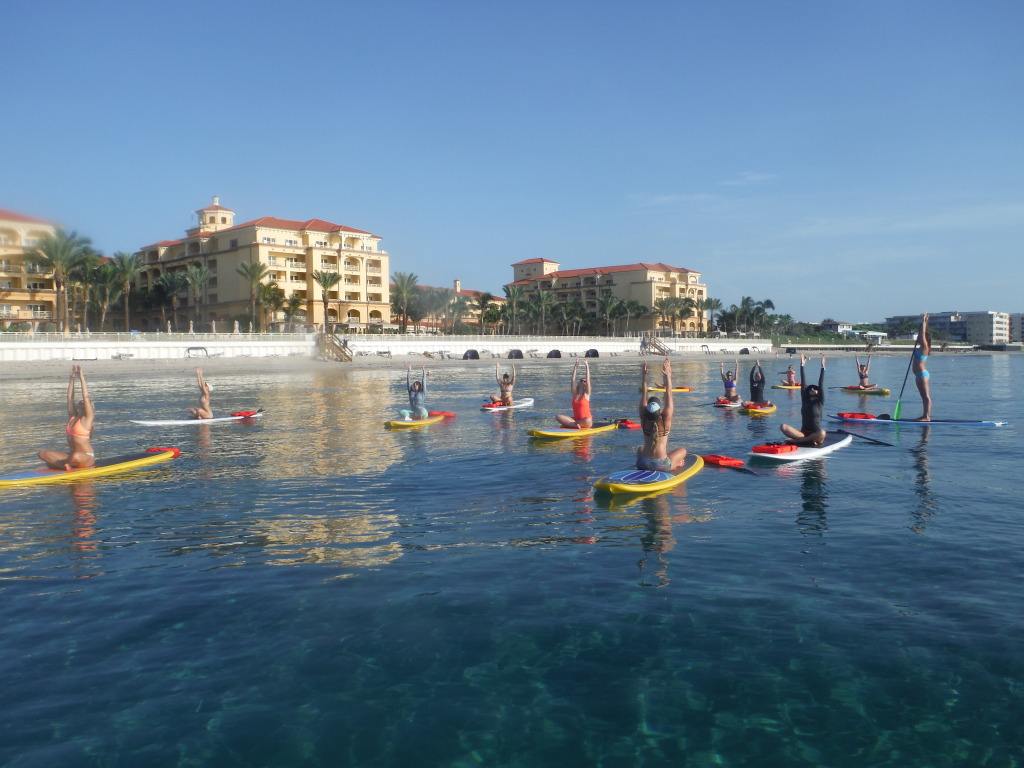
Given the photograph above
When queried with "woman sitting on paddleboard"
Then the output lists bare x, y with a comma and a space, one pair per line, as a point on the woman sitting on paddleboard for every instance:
656, 423
924, 348
417, 396
729, 380
757, 388
790, 380
505, 385
862, 373
581, 417
203, 410
812, 404
78, 430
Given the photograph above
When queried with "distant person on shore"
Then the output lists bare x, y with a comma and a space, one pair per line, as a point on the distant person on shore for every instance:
862, 373
812, 404
729, 380
581, 416
80, 453
505, 385
790, 380
417, 396
920, 369
757, 388
203, 410
656, 423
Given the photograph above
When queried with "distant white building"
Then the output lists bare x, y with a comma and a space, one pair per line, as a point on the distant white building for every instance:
837, 327
979, 328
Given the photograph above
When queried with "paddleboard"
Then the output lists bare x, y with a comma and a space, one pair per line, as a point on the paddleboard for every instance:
526, 402
914, 422
833, 442
413, 423
674, 389
760, 411
858, 391
239, 416
647, 481
785, 386
728, 404
562, 432
109, 466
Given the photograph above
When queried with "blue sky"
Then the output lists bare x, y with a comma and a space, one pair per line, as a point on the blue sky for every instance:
844, 159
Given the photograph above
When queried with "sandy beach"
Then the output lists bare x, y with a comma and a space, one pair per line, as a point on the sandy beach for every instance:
48, 370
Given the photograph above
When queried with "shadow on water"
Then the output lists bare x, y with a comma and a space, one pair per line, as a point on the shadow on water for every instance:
814, 495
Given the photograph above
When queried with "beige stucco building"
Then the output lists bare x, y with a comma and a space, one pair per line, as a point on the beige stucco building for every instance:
646, 283
27, 294
292, 251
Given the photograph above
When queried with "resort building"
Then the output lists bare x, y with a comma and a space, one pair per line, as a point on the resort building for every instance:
978, 328
293, 252
643, 282
28, 296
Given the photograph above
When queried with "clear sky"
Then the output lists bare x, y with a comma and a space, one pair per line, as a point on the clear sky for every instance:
844, 159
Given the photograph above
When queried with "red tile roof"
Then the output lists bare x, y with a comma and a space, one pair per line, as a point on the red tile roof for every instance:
534, 261
562, 273
214, 208
9, 215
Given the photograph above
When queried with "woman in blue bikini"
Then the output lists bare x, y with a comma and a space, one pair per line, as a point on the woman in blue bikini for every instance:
921, 375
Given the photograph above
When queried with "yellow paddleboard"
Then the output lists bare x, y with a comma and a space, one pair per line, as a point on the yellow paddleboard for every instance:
646, 481
674, 389
859, 391
785, 386
412, 423
562, 432
103, 467
759, 411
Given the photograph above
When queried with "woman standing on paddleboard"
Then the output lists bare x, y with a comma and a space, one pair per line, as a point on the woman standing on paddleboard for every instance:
417, 396
812, 404
78, 430
921, 375
656, 423
581, 416
505, 385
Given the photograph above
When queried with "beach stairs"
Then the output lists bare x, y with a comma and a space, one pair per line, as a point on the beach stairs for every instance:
655, 347
330, 347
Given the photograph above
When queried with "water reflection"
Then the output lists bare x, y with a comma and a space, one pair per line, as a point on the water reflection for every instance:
814, 493
926, 502
359, 541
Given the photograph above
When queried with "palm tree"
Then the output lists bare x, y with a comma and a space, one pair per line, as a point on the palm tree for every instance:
435, 303
127, 266
173, 284
80, 281
107, 288
514, 295
607, 304
761, 312
326, 281
483, 303
402, 294
458, 309
253, 272
685, 308
271, 299
59, 253
292, 306
632, 308
197, 276
544, 301
666, 308
706, 308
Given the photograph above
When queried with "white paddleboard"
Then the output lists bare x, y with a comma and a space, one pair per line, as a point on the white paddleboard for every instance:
833, 442
526, 402
173, 422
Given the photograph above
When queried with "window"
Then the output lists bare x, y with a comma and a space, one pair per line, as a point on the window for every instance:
291, 242
223, 219
234, 243
36, 286
321, 244
32, 242
270, 240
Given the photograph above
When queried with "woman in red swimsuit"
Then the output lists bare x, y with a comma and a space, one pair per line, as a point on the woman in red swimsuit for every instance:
78, 430
581, 417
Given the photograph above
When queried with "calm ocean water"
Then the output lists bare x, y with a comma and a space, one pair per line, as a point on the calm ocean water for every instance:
314, 590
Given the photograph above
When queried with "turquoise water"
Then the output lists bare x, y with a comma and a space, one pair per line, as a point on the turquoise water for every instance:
313, 590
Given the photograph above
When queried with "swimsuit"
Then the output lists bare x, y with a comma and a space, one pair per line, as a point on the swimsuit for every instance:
924, 375
654, 465
919, 356
581, 409
922, 358
75, 428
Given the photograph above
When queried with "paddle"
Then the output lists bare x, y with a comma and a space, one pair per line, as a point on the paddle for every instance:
896, 410
865, 437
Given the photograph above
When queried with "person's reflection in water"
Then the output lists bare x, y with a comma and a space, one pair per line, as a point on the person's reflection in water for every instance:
814, 492
926, 504
657, 537
83, 522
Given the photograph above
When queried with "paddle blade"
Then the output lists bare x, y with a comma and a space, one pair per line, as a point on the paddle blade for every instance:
896, 410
